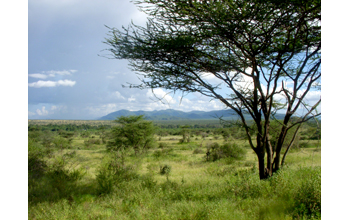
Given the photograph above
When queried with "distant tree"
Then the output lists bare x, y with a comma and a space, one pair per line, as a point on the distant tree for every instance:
134, 132
256, 57
186, 134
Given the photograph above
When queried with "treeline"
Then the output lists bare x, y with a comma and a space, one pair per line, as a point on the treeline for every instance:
67, 127
310, 130
229, 132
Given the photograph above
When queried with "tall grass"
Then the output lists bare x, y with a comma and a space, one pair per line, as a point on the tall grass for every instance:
103, 185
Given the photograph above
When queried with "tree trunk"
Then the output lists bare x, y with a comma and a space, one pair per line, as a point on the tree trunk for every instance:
261, 161
276, 162
269, 170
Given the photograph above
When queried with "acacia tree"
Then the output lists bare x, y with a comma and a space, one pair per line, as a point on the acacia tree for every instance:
266, 53
134, 132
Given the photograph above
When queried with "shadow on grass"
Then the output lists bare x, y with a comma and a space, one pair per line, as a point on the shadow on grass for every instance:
47, 188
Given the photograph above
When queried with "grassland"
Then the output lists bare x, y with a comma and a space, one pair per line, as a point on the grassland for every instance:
193, 189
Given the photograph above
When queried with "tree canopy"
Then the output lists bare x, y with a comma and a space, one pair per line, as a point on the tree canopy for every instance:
267, 54
134, 132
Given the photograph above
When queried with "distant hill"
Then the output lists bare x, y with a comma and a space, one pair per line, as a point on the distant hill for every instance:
171, 114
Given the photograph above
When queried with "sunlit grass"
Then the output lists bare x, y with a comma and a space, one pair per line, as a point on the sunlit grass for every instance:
194, 189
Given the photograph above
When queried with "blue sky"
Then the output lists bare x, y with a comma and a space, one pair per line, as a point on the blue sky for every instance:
67, 79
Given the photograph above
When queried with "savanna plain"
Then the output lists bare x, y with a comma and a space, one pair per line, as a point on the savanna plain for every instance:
200, 171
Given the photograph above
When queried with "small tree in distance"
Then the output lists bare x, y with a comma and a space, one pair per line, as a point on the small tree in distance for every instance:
256, 57
134, 132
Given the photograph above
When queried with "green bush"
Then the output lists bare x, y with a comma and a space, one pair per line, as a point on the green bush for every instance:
307, 145
105, 180
112, 172
198, 151
162, 145
134, 133
147, 181
165, 170
36, 163
227, 150
61, 143
164, 152
307, 199
85, 134
92, 141
62, 178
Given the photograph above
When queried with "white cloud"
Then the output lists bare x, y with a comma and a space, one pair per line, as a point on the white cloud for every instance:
132, 98
99, 111
31, 113
51, 73
244, 82
160, 94
312, 96
38, 75
210, 78
42, 112
118, 95
66, 82
64, 72
199, 103
53, 108
41, 83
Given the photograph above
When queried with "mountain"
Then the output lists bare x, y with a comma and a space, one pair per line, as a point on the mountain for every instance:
171, 114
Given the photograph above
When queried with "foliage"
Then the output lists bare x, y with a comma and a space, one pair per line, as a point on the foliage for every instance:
227, 150
198, 151
162, 145
134, 132
36, 162
165, 170
186, 135
61, 143
307, 200
95, 184
62, 178
112, 172
267, 54
92, 141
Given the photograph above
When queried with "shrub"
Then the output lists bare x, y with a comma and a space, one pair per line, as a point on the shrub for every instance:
165, 170
307, 200
307, 145
198, 151
61, 143
112, 172
228, 150
92, 141
147, 181
158, 153
162, 145
163, 152
36, 163
134, 133
85, 134
63, 179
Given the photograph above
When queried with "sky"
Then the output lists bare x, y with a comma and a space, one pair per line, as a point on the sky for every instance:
68, 77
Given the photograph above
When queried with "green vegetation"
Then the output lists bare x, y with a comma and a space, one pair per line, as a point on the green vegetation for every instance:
69, 179
134, 132
255, 57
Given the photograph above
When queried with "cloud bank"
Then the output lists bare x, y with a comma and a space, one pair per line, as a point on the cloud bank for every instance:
41, 83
